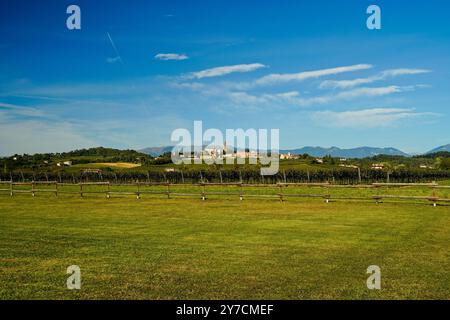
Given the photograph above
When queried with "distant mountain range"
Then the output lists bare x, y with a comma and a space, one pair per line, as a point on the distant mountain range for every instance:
156, 151
445, 148
360, 152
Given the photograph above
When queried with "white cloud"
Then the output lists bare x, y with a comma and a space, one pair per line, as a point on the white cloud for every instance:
346, 95
221, 71
401, 72
246, 99
113, 60
344, 84
171, 56
11, 110
33, 136
49, 129
294, 98
196, 86
370, 92
282, 78
287, 95
367, 118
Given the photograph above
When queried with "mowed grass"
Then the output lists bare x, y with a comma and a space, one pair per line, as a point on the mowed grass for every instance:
157, 248
96, 165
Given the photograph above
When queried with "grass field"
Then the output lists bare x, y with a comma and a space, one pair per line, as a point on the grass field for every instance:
157, 248
100, 165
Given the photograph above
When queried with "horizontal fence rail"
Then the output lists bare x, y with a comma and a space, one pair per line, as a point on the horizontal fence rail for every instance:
340, 175
241, 190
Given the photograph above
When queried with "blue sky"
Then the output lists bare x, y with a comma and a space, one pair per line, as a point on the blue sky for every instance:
137, 70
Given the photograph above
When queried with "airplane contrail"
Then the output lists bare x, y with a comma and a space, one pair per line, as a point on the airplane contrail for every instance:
114, 47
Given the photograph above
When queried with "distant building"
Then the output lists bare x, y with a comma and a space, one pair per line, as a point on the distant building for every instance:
348, 166
241, 154
285, 156
377, 166
92, 171
65, 163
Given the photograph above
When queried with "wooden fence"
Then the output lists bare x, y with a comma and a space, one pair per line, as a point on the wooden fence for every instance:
204, 190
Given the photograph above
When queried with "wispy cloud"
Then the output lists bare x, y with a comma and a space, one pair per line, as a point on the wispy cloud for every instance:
47, 128
287, 77
11, 110
171, 56
370, 92
294, 98
366, 118
221, 71
32, 136
345, 84
244, 98
113, 60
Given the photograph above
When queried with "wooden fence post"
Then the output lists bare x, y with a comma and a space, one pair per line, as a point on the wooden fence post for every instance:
434, 195
138, 193
203, 192
11, 188
108, 194
32, 188
377, 196
359, 175
81, 190
241, 192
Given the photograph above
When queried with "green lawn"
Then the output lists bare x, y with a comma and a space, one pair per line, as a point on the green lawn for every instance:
157, 248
